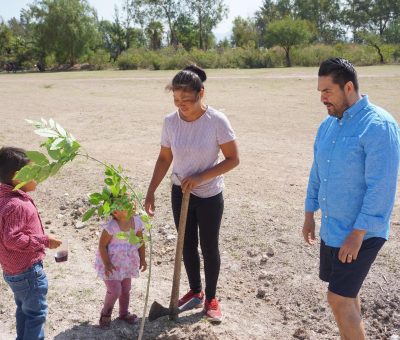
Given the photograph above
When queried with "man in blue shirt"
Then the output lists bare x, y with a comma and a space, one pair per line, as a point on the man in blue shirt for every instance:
353, 181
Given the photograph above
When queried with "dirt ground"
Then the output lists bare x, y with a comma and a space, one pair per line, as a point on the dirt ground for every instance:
269, 286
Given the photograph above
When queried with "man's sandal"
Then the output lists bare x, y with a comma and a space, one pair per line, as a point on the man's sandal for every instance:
129, 318
105, 321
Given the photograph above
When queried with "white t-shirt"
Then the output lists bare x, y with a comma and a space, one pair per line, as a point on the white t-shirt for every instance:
196, 145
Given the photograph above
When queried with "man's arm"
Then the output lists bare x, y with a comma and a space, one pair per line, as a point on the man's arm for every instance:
381, 147
311, 203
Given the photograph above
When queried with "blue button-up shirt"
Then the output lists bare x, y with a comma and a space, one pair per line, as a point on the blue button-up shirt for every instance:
353, 178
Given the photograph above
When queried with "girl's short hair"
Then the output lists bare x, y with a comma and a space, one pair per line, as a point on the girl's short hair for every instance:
191, 78
11, 160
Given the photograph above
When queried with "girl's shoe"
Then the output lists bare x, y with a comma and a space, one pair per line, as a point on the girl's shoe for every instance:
129, 318
105, 321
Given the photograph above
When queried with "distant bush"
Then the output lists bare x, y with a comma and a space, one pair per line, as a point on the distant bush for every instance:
174, 59
360, 55
396, 54
131, 59
312, 55
170, 58
99, 60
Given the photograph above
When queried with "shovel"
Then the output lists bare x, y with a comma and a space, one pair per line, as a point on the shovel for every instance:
156, 309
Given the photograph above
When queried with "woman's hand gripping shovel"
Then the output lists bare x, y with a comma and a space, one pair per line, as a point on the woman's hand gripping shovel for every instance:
156, 309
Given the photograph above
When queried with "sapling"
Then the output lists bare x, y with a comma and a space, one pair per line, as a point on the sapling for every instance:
117, 193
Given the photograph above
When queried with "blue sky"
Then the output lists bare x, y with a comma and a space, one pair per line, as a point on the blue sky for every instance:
105, 9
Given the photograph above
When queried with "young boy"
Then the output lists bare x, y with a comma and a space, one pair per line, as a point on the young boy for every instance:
22, 247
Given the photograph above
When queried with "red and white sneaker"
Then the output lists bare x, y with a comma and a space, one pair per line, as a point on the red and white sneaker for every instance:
191, 300
213, 310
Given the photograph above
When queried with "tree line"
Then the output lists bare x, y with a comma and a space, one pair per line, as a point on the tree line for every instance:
145, 33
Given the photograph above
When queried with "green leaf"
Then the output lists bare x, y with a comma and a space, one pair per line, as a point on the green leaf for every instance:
148, 226
56, 144
52, 123
43, 173
20, 185
121, 235
46, 133
100, 211
144, 217
108, 181
61, 130
55, 154
95, 198
108, 172
27, 173
34, 123
106, 208
37, 157
88, 214
115, 191
55, 167
133, 238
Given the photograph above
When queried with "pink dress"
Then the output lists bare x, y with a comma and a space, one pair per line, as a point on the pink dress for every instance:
123, 255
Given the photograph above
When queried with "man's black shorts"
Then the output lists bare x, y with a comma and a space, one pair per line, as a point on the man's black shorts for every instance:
346, 279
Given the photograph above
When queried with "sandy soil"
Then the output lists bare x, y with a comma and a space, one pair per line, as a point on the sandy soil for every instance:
268, 286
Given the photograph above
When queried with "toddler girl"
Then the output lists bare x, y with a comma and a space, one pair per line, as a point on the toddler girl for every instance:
117, 261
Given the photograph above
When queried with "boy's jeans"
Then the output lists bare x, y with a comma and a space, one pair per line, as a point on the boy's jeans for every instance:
30, 290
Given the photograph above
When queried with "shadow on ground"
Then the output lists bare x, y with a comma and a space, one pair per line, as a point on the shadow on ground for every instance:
157, 329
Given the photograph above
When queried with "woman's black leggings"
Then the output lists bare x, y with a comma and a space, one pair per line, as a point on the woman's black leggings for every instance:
204, 218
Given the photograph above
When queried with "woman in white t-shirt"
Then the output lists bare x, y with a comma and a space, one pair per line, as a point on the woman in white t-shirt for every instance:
192, 138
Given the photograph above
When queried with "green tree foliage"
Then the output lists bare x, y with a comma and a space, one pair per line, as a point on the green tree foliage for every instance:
288, 33
64, 27
374, 16
166, 11
112, 37
154, 32
6, 38
271, 10
207, 15
325, 15
244, 32
68, 31
392, 34
373, 40
186, 32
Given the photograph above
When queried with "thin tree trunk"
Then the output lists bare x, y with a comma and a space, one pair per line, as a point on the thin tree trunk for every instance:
288, 61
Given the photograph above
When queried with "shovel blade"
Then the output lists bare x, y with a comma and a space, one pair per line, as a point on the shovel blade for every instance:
157, 311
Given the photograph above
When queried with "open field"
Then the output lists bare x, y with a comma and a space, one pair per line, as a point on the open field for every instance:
117, 117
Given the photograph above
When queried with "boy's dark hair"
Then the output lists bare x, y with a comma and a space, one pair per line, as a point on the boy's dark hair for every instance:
191, 78
11, 160
341, 71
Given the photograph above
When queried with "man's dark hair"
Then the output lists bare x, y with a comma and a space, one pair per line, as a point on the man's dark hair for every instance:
341, 71
11, 160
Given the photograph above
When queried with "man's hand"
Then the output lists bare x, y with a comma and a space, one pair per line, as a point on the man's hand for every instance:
349, 250
309, 228
53, 242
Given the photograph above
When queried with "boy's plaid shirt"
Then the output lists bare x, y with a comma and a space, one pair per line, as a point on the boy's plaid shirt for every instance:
22, 238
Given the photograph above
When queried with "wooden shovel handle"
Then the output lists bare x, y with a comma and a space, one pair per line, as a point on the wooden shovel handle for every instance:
178, 254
